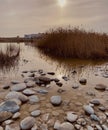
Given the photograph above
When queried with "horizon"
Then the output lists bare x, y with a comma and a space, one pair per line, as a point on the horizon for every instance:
19, 17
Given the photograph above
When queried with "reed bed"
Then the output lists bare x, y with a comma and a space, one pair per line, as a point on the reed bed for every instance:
10, 56
74, 43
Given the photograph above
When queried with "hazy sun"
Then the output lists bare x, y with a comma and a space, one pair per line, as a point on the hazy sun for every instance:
62, 3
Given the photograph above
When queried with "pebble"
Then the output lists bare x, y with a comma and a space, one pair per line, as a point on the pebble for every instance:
34, 127
59, 84
102, 109
95, 101
81, 121
71, 117
4, 115
27, 123
89, 128
55, 113
94, 117
17, 95
33, 99
98, 127
12, 127
83, 81
18, 87
1, 128
44, 127
88, 109
9, 106
45, 117
30, 84
78, 127
100, 87
75, 86
35, 113
15, 82
6, 87
57, 125
104, 127
66, 126
16, 115
56, 100
7, 122
42, 91
28, 92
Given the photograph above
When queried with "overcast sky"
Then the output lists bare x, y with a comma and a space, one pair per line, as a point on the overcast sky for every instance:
19, 17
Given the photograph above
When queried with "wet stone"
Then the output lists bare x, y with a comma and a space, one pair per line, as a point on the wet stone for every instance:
28, 92
56, 100
4, 115
27, 123
17, 95
9, 106
18, 87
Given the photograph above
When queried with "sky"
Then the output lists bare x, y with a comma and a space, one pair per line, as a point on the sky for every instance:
19, 17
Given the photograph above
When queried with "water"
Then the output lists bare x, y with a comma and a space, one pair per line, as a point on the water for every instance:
31, 58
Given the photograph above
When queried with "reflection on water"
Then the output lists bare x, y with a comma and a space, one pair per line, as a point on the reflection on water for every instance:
30, 58
9, 56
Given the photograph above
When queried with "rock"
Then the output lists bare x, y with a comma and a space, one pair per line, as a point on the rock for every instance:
33, 99
94, 117
15, 82
12, 127
45, 117
8, 122
27, 123
57, 125
66, 126
59, 84
81, 121
17, 95
30, 84
50, 122
88, 109
16, 115
104, 127
101, 87
6, 87
75, 86
56, 100
4, 115
35, 113
89, 128
1, 128
91, 93
95, 101
102, 109
9, 106
60, 90
34, 127
28, 92
18, 87
83, 81
45, 80
51, 73
31, 75
42, 91
17, 101
44, 127
78, 127
65, 78
55, 80
71, 117
98, 127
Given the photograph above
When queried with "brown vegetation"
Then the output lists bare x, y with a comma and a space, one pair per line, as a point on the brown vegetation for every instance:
75, 43
10, 56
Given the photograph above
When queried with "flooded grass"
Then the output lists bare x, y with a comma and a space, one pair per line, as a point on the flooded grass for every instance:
75, 43
9, 56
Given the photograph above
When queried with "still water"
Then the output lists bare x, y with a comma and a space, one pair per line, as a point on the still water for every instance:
30, 58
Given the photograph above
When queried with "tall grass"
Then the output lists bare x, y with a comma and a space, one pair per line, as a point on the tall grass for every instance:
75, 43
10, 56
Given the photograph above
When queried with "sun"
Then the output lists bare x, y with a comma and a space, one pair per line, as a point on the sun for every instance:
62, 3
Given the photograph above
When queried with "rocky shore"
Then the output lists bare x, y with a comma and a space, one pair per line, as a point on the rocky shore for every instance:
41, 101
